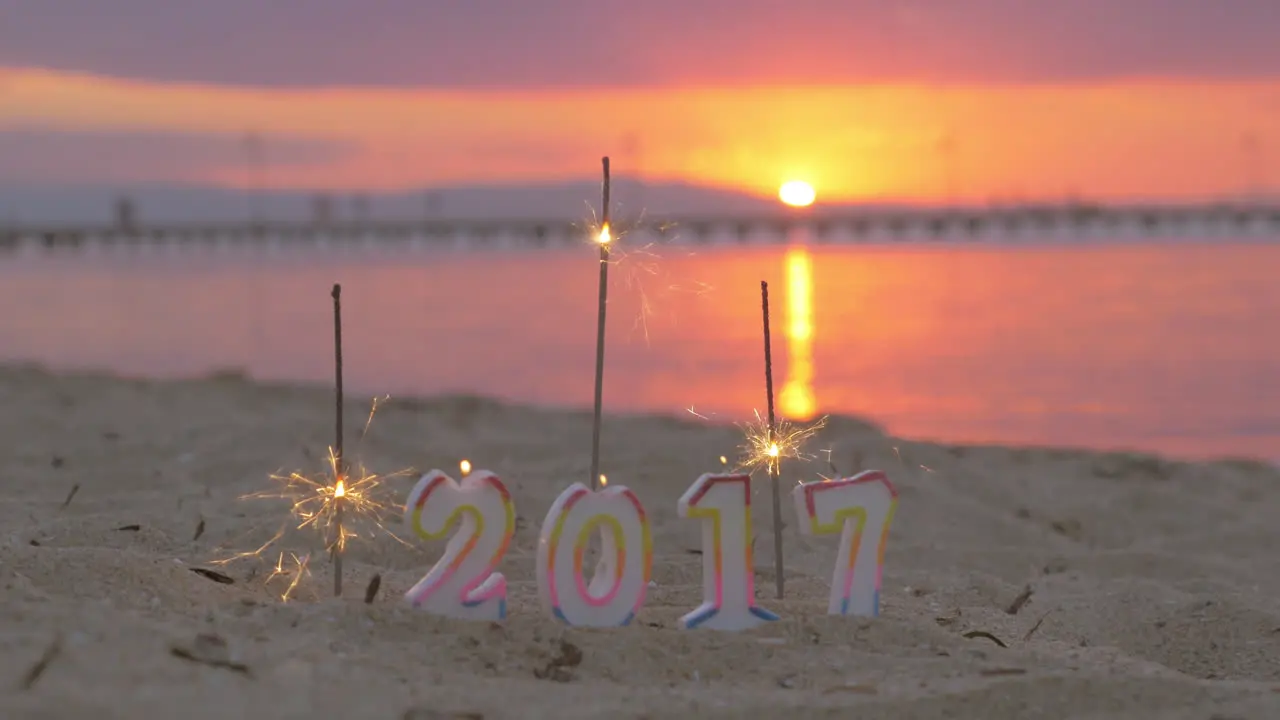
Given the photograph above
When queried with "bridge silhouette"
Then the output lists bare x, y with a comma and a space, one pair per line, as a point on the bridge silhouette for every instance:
832, 226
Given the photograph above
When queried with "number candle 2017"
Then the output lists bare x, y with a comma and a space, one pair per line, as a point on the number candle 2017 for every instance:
855, 507
723, 504
463, 583
618, 586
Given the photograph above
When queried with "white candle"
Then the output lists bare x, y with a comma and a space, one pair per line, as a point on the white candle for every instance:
463, 583
723, 504
860, 507
617, 589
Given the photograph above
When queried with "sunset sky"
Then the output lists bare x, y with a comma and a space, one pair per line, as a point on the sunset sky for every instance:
866, 99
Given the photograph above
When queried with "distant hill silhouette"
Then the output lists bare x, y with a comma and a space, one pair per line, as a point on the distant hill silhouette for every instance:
190, 203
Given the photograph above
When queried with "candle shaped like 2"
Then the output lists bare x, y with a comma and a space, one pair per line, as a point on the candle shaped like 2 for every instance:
858, 508
463, 583
723, 504
617, 588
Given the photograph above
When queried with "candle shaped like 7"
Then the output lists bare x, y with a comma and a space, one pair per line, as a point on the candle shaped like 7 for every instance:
463, 583
723, 504
858, 508
617, 588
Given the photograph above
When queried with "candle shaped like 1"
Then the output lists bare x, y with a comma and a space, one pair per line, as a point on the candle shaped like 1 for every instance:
723, 504
617, 589
463, 583
858, 508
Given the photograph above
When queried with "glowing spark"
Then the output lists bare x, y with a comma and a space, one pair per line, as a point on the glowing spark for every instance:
724, 460
766, 450
695, 413
605, 237
373, 408
251, 553
465, 467
295, 574
604, 481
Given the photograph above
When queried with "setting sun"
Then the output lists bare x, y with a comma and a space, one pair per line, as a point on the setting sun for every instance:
797, 193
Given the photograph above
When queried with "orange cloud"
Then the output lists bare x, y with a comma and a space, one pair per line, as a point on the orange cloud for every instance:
1119, 139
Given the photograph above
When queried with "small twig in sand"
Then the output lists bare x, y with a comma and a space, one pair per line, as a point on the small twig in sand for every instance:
129, 528
209, 650
371, 592
856, 689
213, 575
1035, 627
74, 489
32, 676
972, 634
422, 713
199, 530
1001, 672
1019, 601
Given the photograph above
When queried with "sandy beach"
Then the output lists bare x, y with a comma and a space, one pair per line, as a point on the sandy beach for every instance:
1154, 585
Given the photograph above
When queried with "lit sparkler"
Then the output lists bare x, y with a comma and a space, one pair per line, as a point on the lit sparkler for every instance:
315, 502
365, 499
604, 239
639, 264
765, 449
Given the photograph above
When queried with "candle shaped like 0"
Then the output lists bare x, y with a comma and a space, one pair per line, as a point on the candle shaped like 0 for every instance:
463, 583
862, 505
618, 586
723, 504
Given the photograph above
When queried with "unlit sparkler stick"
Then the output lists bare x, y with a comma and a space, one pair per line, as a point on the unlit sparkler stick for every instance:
606, 235
339, 486
775, 458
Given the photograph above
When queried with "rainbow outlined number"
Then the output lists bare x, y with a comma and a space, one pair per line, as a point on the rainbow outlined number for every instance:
861, 505
617, 589
723, 504
463, 583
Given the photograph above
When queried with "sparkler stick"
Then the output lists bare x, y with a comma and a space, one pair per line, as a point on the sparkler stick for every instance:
775, 459
603, 240
339, 486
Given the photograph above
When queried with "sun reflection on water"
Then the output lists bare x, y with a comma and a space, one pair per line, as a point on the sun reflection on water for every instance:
797, 399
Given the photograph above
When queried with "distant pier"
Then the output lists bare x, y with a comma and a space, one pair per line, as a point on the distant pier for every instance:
1034, 224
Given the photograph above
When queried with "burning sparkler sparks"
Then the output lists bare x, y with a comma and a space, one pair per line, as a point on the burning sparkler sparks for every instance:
766, 450
295, 574
639, 265
315, 502
364, 499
